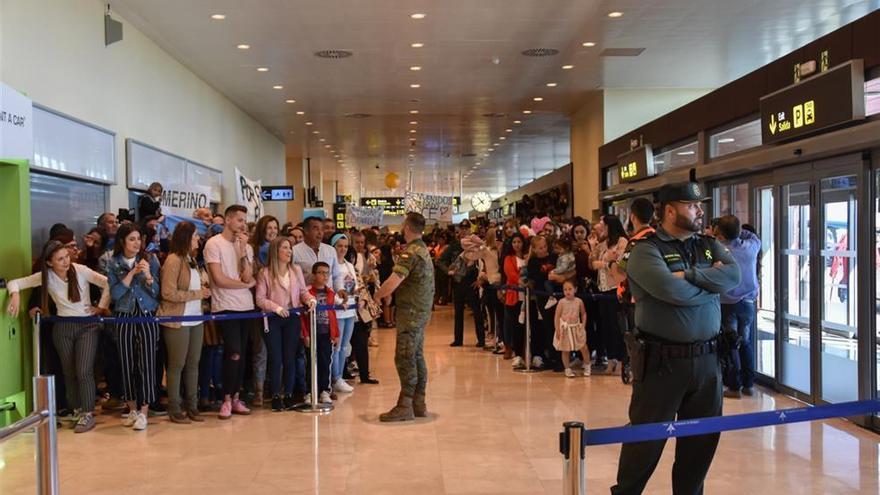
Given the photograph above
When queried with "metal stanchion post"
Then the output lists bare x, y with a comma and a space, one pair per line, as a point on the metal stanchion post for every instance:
571, 445
36, 349
313, 406
528, 337
46, 436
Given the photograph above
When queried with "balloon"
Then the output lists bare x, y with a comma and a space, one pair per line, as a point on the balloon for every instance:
392, 180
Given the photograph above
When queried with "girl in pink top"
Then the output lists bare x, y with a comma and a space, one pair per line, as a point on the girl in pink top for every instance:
280, 287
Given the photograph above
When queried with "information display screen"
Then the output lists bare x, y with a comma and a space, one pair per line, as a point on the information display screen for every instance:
828, 99
636, 165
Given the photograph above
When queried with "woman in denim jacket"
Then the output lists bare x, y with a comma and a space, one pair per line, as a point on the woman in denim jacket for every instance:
134, 289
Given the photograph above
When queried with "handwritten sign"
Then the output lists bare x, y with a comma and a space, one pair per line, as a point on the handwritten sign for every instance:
248, 194
364, 215
432, 207
183, 199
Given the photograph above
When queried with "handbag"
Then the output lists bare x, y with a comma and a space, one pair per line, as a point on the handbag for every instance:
367, 309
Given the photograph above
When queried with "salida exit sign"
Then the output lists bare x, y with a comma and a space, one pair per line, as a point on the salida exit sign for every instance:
831, 98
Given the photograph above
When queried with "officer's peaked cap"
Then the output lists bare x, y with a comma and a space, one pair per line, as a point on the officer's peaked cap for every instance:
685, 192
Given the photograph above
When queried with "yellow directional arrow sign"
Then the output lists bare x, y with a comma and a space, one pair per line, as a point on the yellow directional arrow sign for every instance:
773, 124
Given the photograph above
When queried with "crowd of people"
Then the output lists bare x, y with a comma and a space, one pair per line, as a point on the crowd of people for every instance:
577, 312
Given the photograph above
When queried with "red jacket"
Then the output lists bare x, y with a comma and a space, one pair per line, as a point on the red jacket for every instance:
511, 275
334, 325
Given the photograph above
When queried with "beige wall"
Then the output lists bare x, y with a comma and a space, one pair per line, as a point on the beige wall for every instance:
626, 109
53, 50
294, 175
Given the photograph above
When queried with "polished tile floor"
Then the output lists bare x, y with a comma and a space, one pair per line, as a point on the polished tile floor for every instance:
490, 431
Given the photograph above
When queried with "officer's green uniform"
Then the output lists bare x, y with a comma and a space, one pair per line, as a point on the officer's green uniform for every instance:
674, 359
414, 298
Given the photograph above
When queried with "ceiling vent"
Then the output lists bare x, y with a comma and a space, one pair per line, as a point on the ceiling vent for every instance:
540, 52
333, 54
494, 115
358, 115
621, 52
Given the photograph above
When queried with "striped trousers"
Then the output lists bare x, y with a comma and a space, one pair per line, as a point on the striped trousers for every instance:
137, 344
77, 345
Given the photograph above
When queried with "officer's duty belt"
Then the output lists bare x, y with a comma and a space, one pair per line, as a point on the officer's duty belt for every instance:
681, 351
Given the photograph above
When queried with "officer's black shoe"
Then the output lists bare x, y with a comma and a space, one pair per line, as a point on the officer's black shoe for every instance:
455, 344
277, 404
748, 391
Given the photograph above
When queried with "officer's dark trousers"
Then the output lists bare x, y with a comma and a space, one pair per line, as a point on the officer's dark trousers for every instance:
514, 331
463, 294
672, 389
360, 348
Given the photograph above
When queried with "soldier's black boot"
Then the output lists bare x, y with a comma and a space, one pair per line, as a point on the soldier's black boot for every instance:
420, 410
403, 411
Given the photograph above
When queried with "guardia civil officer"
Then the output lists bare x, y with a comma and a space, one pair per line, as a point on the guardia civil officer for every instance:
675, 276
413, 278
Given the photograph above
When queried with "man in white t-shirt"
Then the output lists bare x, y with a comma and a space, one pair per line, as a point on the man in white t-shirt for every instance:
230, 259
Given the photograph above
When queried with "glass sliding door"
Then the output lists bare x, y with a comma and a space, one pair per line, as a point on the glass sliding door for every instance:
795, 342
765, 342
839, 329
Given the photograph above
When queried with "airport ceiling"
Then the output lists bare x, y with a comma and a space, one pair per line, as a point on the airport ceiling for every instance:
442, 88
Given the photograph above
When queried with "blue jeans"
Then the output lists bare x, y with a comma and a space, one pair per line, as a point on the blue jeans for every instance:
740, 318
282, 344
346, 327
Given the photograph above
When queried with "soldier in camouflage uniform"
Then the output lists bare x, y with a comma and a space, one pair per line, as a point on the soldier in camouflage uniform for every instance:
413, 278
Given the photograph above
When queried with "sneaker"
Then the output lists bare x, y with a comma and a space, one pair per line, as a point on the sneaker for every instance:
129, 419
307, 399
612, 365
86, 422
369, 381
551, 301
238, 407
733, 394
140, 424
569, 373
341, 386
587, 371
225, 410
288, 403
277, 404
537, 362
325, 398
518, 363
157, 410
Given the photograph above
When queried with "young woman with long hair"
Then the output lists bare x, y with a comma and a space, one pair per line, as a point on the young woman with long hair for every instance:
513, 256
67, 284
612, 242
183, 289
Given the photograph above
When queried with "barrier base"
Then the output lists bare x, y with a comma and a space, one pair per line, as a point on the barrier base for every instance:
527, 370
318, 408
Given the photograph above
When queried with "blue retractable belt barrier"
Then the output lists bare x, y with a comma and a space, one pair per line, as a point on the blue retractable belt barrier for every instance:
178, 319
703, 426
588, 295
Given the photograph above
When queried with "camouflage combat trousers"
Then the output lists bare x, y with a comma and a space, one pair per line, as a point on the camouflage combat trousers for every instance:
409, 357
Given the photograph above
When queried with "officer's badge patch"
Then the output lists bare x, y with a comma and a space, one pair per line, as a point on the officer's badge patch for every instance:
695, 188
709, 254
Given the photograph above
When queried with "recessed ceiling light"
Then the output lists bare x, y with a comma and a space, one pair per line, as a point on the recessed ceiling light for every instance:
277, 86
322, 139
495, 144
551, 85
412, 131
413, 112
315, 132
326, 145
415, 86
527, 112
517, 121
415, 67
538, 98
418, 15
588, 44
262, 69
477, 163
491, 149
309, 123
412, 156
413, 122
474, 167
567, 67
417, 45
502, 138
218, 17
289, 101
486, 154
300, 112
615, 15
508, 130
243, 46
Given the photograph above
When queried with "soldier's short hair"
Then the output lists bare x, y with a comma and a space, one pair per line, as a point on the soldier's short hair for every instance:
415, 221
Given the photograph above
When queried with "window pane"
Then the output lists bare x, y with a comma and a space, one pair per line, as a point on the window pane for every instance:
735, 139
681, 156
80, 201
872, 97
70, 147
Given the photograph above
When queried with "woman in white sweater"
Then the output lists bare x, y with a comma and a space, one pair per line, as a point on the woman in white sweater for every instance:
67, 284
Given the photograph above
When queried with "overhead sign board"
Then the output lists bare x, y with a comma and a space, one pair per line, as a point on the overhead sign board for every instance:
393, 205
277, 193
830, 98
636, 165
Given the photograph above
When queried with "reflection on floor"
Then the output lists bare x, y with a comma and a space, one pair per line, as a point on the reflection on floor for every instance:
490, 431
